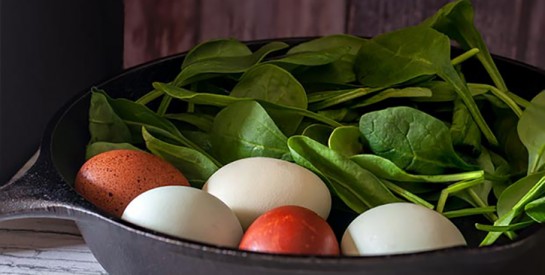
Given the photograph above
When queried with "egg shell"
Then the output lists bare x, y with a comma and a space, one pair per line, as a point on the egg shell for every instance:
398, 228
290, 229
252, 186
112, 179
187, 213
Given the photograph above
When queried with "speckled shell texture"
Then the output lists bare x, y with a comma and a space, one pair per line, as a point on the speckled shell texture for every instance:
112, 179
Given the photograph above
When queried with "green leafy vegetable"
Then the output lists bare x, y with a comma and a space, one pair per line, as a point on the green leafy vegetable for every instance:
464, 131
211, 67
216, 48
104, 123
358, 188
386, 169
394, 93
406, 54
531, 131
273, 84
318, 132
412, 139
455, 19
195, 166
346, 140
244, 129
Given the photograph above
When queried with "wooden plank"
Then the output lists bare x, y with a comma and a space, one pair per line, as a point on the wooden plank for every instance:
511, 28
249, 19
157, 28
533, 52
44, 246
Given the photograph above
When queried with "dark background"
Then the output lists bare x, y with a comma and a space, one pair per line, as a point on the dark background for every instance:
51, 50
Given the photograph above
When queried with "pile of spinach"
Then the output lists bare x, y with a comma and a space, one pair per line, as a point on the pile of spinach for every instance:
379, 120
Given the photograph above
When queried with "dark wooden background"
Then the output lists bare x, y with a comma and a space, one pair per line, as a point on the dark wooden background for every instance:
156, 28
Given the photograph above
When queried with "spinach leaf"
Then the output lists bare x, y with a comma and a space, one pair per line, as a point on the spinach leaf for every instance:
394, 93
339, 71
455, 19
273, 84
244, 129
531, 131
345, 140
510, 146
212, 67
223, 100
215, 48
384, 168
537, 189
326, 99
318, 132
328, 42
536, 210
342, 115
358, 188
406, 54
136, 116
314, 58
199, 120
195, 166
464, 131
516, 191
412, 139
104, 123
98, 147
444, 92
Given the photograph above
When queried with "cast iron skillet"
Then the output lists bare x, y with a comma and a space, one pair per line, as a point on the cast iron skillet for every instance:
46, 191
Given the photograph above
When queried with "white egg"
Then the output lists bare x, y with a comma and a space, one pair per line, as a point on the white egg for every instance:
187, 213
252, 186
398, 228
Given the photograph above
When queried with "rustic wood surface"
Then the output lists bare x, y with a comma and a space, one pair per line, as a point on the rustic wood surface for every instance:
156, 28
512, 28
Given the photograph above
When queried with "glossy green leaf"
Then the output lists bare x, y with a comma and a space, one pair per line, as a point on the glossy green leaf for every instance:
224, 100
455, 19
244, 129
275, 85
412, 139
386, 169
216, 48
403, 55
195, 166
201, 121
465, 133
318, 132
536, 210
104, 123
410, 92
531, 130
212, 67
357, 187
516, 191
346, 141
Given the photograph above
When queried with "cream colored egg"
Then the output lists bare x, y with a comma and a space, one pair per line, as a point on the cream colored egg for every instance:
252, 186
398, 228
187, 213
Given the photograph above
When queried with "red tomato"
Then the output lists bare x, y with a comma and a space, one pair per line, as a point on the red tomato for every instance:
290, 230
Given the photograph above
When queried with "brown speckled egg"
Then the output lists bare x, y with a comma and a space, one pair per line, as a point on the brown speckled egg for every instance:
112, 179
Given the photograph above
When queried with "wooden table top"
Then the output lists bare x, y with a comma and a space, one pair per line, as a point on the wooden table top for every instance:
44, 246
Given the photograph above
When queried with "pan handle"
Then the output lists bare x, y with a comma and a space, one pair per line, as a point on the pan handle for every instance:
41, 192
